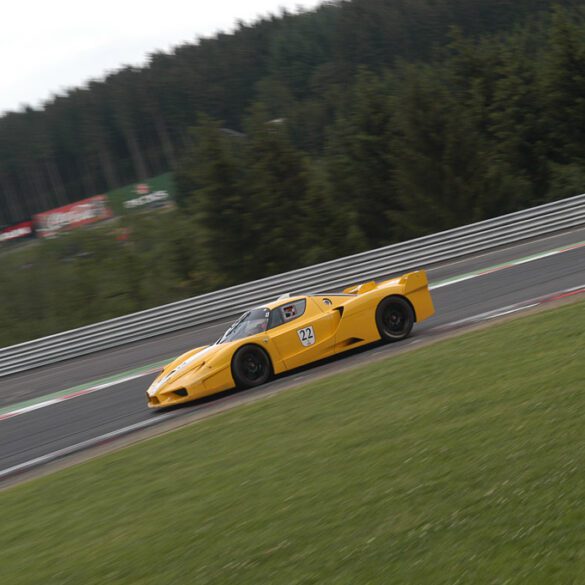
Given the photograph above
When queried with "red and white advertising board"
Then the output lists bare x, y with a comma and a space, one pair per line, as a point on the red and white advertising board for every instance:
72, 216
20, 230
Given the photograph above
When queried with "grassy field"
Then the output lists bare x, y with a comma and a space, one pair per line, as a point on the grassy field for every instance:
460, 463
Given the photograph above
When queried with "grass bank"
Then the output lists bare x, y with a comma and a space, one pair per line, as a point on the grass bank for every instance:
458, 463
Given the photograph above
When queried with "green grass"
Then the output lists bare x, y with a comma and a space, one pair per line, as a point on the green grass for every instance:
463, 462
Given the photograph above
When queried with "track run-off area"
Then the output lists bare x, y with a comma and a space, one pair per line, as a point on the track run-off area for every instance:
52, 412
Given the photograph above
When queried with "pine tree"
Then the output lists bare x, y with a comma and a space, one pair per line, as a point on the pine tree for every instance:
563, 91
210, 180
446, 173
328, 230
276, 184
359, 159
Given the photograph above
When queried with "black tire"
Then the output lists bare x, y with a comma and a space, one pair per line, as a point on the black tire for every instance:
394, 318
251, 366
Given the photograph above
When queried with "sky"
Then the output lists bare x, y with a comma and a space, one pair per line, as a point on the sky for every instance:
47, 46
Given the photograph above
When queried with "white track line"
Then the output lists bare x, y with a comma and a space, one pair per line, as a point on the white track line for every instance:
55, 455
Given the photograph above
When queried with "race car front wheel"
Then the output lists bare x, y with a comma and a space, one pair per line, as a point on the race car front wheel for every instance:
394, 318
250, 366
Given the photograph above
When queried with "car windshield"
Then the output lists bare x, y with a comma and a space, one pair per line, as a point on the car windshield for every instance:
250, 323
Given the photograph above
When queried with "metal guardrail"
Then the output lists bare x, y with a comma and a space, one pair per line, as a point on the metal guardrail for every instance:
425, 251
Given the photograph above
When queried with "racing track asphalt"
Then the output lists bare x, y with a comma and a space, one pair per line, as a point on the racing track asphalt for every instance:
60, 426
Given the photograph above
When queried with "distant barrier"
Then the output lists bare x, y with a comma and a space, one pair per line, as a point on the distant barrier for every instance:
206, 308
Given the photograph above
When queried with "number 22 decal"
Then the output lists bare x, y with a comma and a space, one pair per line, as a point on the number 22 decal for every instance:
307, 336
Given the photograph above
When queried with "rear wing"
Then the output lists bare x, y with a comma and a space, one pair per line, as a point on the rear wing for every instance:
413, 281
410, 282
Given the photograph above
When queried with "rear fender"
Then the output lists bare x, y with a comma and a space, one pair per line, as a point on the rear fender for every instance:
414, 286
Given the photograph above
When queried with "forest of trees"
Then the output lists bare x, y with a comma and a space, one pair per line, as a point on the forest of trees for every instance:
134, 123
293, 141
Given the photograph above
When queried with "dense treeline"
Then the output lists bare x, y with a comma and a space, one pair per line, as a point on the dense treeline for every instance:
488, 126
134, 123
482, 125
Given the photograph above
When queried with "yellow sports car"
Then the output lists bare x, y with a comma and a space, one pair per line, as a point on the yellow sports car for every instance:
292, 332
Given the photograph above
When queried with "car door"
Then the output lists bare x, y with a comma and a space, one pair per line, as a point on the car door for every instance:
303, 332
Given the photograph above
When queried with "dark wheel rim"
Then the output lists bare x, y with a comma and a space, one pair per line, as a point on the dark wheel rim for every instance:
395, 320
253, 366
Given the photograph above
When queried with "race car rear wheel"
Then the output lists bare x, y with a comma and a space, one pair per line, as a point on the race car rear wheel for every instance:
394, 318
251, 366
